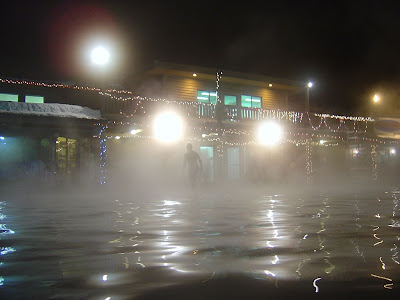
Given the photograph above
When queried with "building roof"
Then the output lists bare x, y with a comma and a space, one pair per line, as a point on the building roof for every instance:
50, 109
227, 76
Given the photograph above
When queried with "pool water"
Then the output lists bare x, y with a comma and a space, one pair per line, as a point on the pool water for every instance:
230, 243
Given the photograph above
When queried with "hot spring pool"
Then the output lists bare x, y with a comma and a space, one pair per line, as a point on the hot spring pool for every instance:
104, 244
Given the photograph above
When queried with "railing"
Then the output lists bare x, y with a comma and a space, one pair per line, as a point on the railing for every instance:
146, 107
141, 107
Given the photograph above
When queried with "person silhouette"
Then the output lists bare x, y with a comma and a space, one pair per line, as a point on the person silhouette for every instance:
193, 161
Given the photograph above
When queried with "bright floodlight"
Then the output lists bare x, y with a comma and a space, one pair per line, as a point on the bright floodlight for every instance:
168, 127
376, 98
100, 56
310, 84
269, 133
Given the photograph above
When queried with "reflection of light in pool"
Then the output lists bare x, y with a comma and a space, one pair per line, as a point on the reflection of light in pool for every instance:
6, 250
315, 284
4, 230
169, 202
275, 260
269, 273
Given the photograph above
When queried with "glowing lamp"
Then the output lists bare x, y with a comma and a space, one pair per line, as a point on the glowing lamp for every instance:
168, 127
100, 56
269, 133
376, 98
310, 84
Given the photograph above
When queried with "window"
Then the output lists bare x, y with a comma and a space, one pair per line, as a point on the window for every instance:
230, 100
250, 101
9, 97
206, 97
34, 99
66, 155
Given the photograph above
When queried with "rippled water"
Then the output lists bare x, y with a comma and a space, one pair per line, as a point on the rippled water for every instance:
245, 243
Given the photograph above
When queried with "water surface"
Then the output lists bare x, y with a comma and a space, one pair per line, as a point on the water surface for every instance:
242, 243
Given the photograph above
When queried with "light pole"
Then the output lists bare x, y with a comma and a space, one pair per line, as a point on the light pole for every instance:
100, 58
376, 108
307, 104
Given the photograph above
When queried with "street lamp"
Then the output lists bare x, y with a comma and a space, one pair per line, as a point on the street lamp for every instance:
168, 127
307, 104
269, 133
376, 98
100, 56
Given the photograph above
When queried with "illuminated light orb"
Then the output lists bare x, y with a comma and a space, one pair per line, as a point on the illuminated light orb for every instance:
393, 151
310, 84
135, 131
269, 133
100, 56
376, 98
168, 127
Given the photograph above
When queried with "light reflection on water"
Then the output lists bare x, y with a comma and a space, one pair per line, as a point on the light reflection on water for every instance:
93, 245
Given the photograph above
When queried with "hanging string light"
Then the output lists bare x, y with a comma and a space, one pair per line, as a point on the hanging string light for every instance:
103, 154
309, 167
374, 163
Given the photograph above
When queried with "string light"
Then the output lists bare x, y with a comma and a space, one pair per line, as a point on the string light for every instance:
219, 74
309, 168
374, 164
194, 108
137, 105
103, 154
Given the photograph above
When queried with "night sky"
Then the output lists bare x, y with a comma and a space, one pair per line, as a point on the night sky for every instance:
349, 49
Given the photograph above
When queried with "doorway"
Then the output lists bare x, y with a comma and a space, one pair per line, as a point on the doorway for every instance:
207, 158
233, 163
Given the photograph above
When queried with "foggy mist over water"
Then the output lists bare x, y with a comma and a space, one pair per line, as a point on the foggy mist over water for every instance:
146, 234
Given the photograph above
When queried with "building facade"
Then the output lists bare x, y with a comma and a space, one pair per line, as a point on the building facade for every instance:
46, 132
58, 131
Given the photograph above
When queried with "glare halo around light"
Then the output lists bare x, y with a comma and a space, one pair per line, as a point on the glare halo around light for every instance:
269, 133
100, 56
168, 127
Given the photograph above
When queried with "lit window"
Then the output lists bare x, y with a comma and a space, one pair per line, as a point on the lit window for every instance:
34, 99
250, 101
230, 100
9, 97
206, 97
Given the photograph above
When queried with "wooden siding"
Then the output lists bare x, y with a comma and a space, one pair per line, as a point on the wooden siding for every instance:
185, 89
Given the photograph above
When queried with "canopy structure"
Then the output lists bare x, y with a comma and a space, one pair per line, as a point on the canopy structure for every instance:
388, 128
50, 109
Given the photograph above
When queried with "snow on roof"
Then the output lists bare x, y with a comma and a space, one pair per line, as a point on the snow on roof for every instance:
49, 109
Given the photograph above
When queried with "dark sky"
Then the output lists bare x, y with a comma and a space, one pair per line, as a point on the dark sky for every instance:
349, 49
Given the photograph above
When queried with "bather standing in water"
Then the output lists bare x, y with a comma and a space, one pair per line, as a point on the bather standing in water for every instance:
193, 161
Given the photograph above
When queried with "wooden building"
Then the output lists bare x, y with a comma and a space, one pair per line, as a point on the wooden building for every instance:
191, 83
46, 132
